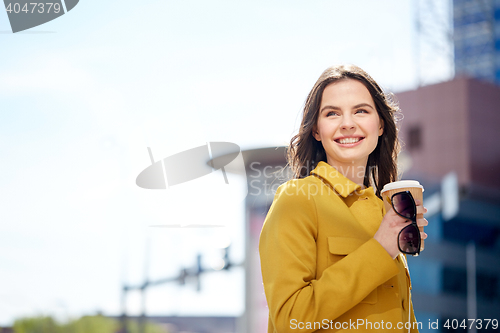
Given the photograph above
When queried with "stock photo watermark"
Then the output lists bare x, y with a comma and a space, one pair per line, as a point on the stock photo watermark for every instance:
189, 165
266, 179
364, 324
193, 164
26, 14
215, 161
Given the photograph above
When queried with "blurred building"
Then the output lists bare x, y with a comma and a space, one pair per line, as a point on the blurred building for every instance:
452, 127
265, 172
476, 26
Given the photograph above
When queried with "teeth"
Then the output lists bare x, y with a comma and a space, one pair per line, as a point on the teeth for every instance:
349, 140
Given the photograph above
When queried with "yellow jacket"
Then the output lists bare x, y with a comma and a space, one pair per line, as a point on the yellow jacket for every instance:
322, 270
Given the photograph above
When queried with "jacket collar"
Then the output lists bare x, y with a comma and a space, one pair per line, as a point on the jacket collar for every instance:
335, 179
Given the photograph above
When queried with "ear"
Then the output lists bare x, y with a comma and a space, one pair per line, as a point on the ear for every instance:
381, 129
315, 133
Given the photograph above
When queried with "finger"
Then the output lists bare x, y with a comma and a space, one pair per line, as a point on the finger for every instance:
423, 235
421, 210
422, 222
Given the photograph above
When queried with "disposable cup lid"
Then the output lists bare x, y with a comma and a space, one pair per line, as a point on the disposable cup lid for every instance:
402, 184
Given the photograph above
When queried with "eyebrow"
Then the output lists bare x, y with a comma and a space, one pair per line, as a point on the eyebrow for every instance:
331, 107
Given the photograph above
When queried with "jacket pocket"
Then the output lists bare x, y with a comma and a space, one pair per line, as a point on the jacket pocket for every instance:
338, 248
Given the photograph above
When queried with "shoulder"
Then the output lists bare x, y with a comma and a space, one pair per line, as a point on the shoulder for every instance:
293, 211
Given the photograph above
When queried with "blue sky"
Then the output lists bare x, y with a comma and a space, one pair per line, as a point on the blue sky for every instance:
82, 97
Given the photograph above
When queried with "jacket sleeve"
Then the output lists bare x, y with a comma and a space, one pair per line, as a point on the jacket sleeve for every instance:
288, 259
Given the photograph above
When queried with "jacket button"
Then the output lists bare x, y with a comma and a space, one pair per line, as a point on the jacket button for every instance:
403, 304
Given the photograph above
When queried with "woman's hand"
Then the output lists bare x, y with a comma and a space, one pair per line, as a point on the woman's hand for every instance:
391, 225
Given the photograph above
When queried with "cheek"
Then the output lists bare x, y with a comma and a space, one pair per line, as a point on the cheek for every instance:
321, 129
326, 127
374, 127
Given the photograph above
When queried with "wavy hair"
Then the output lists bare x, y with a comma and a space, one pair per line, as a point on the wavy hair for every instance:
305, 152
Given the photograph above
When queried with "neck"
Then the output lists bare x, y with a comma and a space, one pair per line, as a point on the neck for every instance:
353, 171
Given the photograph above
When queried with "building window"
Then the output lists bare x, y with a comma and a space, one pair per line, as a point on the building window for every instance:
455, 282
415, 138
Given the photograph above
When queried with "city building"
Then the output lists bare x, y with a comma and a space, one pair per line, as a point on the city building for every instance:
450, 129
476, 26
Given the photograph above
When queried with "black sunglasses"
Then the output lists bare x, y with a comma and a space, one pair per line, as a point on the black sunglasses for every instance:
409, 237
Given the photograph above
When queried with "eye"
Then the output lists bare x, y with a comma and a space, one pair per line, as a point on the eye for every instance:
332, 113
361, 111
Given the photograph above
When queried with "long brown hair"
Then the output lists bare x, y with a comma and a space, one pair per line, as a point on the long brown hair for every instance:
305, 152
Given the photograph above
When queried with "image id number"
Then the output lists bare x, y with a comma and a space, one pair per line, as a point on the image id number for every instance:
34, 7
470, 323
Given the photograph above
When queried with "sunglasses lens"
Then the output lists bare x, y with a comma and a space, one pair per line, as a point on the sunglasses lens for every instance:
409, 239
403, 204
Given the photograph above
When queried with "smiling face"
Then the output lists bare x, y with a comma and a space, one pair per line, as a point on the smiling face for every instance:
348, 124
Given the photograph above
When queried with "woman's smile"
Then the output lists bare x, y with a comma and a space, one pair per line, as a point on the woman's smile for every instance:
348, 141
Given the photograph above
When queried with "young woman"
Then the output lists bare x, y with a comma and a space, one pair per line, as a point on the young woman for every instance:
329, 253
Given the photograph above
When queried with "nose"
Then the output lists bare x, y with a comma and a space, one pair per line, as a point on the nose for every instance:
347, 122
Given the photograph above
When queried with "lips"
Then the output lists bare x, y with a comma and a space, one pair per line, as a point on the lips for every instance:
349, 140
